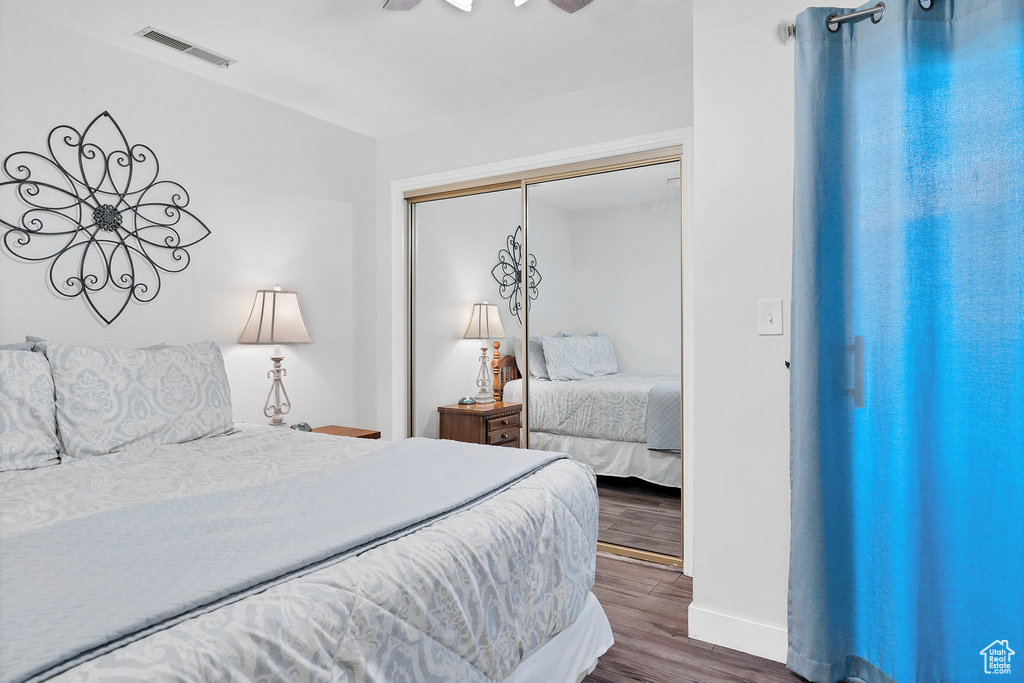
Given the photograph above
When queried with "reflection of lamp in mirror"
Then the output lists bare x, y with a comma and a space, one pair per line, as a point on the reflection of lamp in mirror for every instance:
275, 319
484, 324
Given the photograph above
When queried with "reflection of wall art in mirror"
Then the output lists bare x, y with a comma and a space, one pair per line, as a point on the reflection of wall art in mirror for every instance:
507, 273
94, 208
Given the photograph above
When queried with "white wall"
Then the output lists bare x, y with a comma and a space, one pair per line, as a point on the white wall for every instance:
743, 244
288, 198
550, 240
658, 102
626, 282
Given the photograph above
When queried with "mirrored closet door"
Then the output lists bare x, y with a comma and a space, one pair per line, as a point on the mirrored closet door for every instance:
606, 384
455, 245
580, 272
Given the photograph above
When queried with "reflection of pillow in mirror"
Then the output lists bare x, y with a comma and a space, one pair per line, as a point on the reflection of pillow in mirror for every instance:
28, 432
510, 345
538, 367
511, 348
538, 364
112, 399
575, 357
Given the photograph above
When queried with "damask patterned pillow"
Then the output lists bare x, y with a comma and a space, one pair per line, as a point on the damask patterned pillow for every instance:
39, 344
116, 399
28, 432
575, 357
18, 346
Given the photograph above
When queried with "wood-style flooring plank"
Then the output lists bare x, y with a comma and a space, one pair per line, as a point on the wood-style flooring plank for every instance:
649, 574
639, 515
647, 607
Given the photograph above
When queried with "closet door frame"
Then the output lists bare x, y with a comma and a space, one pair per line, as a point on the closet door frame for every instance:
660, 148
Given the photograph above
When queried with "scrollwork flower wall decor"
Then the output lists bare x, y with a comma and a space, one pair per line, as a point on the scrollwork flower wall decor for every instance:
508, 274
94, 208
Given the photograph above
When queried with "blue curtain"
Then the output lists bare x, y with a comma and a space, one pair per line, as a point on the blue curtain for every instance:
907, 382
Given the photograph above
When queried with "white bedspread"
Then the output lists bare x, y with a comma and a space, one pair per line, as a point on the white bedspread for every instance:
612, 407
461, 600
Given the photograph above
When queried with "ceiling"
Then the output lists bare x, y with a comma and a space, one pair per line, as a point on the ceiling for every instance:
382, 72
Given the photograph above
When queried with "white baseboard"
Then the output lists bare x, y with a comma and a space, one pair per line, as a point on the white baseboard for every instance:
770, 642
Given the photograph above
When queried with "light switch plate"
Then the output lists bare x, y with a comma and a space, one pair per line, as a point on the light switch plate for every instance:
769, 317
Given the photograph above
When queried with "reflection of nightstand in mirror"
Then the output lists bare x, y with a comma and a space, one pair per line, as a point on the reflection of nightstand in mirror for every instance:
496, 424
348, 431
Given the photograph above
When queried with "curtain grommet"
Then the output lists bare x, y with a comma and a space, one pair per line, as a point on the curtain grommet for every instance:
877, 16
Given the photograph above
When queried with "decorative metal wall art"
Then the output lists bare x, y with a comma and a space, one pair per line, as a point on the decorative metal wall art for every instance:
105, 222
508, 274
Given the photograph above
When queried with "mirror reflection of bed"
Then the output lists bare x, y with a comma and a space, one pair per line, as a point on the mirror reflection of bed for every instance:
625, 426
589, 266
604, 345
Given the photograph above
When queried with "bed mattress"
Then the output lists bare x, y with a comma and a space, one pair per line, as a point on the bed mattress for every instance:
612, 407
465, 598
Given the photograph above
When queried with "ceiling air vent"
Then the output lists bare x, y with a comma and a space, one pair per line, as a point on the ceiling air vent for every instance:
157, 36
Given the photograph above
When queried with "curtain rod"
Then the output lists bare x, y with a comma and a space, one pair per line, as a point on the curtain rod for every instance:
838, 19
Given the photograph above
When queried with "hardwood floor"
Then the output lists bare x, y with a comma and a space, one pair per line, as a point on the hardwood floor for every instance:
647, 606
636, 514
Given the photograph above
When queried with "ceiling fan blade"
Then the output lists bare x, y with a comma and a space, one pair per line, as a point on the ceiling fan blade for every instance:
571, 6
401, 4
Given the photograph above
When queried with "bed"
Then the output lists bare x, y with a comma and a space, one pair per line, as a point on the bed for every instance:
620, 424
144, 534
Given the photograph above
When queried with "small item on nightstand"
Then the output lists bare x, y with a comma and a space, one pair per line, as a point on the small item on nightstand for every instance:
302, 427
466, 401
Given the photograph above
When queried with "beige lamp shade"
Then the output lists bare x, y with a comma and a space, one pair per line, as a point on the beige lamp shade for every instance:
485, 322
275, 319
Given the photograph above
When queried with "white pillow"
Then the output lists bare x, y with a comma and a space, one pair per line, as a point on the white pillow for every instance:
538, 367
114, 399
575, 357
28, 433
538, 362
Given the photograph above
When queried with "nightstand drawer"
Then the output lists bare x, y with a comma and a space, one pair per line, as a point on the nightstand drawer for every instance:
502, 423
504, 437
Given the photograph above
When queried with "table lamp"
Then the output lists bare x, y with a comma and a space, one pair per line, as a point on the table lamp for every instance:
275, 319
484, 324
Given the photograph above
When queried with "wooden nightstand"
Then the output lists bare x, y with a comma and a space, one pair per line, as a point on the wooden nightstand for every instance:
496, 424
348, 431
